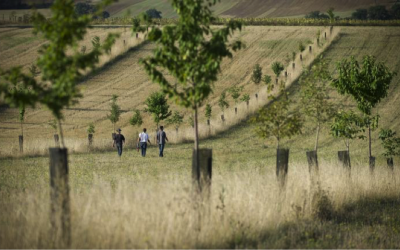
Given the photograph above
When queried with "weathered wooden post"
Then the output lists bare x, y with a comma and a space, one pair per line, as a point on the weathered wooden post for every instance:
90, 139
286, 74
294, 65
21, 143
59, 194
208, 122
325, 35
313, 168
56, 140
344, 158
202, 173
310, 48
276, 81
256, 95
301, 57
235, 111
282, 165
222, 118
124, 43
390, 163
137, 35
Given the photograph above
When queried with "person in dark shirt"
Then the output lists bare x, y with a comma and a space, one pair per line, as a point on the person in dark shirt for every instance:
119, 141
161, 139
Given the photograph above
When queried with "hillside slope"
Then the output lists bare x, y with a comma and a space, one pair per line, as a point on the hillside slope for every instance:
126, 78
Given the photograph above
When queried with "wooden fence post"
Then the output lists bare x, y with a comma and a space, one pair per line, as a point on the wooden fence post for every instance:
372, 163
301, 57
235, 111
390, 163
137, 35
222, 118
282, 165
57, 140
202, 173
21, 143
294, 65
286, 74
310, 48
276, 81
59, 194
325, 35
344, 158
256, 95
208, 122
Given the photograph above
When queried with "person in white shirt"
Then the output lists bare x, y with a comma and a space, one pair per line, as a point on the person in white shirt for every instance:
143, 139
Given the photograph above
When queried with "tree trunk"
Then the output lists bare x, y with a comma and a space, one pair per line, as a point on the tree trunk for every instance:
61, 133
369, 141
196, 141
317, 137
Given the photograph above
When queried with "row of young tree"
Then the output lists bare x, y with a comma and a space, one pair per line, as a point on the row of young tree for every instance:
367, 84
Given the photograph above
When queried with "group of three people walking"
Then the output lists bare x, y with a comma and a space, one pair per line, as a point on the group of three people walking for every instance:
143, 139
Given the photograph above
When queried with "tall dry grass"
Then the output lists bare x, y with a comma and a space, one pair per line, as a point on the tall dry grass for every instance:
161, 213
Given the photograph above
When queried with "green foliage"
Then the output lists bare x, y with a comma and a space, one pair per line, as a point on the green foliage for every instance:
348, 126
208, 111
176, 119
115, 111
96, 42
378, 12
157, 105
34, 70
367, 85
257, 74
84, 9
245, 98
222, 103
360, 14
314, 93
267, 79
301, 47
276, 120
235, 93
390, 142
60, 71
91, 128
395, 11
21, 114
190, 50
277, 68
153, 13
136, 119
331, 15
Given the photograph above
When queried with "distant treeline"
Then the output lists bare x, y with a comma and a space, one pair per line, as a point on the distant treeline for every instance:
19, 4
377, 12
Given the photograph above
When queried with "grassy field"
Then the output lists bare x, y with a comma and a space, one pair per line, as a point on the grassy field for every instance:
148, 202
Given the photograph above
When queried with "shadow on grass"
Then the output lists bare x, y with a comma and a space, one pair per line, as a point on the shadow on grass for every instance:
372, 222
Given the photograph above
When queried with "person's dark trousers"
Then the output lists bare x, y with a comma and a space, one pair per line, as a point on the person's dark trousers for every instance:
143, 147
119, 148
161, 147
